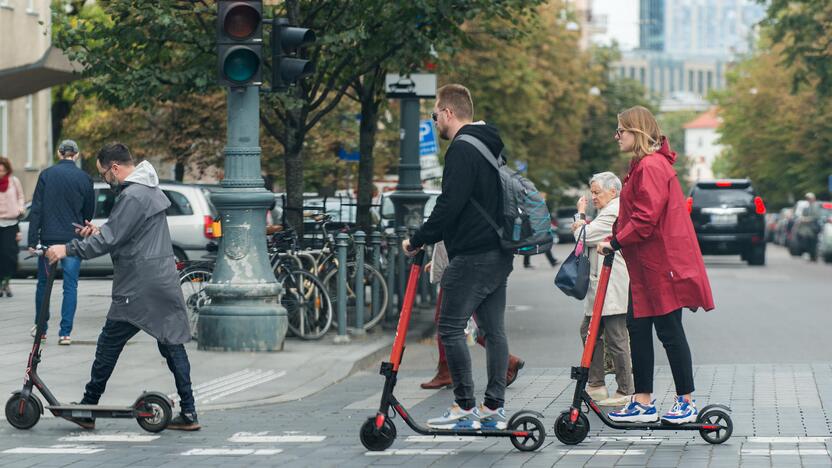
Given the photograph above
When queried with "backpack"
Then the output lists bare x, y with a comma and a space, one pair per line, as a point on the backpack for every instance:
524, 226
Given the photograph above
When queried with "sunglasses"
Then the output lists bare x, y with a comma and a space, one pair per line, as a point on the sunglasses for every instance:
435, 115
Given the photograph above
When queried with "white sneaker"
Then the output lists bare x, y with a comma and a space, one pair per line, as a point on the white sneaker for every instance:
492, 419
457, 418
683, 411
636, 412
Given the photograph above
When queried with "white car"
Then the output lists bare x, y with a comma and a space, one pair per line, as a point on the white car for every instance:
190, 219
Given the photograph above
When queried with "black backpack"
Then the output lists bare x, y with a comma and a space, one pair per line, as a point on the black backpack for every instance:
524, 226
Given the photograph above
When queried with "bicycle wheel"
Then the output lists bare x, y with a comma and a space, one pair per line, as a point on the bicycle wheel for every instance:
373, 313
192, 282
307, 304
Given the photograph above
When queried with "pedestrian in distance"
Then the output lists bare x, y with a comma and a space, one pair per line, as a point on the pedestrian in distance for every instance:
63, 198
11, 210
613, 338
478, 269
437, 265
655, 234
146, 294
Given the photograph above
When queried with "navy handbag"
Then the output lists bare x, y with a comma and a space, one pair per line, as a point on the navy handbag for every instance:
573, 276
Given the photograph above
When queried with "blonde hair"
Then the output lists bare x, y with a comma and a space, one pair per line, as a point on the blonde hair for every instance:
457, 98
640, 122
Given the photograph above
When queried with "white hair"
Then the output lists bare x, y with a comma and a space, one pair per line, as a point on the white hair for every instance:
607, 181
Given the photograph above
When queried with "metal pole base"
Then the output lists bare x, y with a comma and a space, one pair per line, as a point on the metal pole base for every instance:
236, 327
341, 339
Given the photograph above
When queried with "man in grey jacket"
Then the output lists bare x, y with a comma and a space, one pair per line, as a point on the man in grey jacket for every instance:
146, 294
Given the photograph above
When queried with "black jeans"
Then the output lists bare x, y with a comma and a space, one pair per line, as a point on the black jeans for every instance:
111, 341
672, 335
469, 283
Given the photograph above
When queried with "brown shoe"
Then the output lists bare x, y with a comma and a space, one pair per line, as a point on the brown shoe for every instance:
514, 366
442, 378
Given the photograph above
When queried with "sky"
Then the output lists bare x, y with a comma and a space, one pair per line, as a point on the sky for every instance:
622, 21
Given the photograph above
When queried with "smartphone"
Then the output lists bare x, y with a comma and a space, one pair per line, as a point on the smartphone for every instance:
78, 225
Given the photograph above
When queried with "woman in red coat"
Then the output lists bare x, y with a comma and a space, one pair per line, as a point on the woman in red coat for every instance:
655, 234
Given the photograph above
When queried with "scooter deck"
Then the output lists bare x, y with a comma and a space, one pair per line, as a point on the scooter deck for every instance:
87, 411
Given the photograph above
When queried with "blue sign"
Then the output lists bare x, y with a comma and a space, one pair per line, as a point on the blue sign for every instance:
830, 183
351, 156
428, 144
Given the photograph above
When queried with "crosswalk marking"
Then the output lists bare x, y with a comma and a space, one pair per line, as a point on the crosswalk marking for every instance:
264, 437
221, 387
411, 452
798, 451
213, 452
602, 452
788, 440
119, 437
55, 450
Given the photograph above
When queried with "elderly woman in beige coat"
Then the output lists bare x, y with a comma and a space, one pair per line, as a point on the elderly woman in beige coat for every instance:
605, 188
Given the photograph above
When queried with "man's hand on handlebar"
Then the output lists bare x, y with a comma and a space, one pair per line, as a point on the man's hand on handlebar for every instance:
407, 250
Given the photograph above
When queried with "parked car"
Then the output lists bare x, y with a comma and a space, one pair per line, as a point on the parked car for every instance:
806, 229
562, 219
388, 210
824, 248
771, 225
190, 219
727, 216
784, 226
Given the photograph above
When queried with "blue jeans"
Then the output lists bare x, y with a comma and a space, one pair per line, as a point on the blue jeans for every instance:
71, 267
111, 341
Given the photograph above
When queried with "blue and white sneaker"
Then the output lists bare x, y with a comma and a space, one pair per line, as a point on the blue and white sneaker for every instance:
683, 411
636, 412
457, 418
492, 419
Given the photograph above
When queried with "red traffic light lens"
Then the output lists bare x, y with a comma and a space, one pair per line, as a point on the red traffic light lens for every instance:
240, 65
241, 21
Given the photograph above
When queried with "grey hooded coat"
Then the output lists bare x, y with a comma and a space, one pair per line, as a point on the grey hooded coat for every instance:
146, 289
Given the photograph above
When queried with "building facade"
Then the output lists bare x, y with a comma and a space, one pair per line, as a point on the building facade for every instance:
702, 144
25, 123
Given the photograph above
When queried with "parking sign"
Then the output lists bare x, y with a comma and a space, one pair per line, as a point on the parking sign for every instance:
428, 144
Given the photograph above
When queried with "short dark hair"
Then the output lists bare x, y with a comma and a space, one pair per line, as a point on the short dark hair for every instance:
117, 153
456, 98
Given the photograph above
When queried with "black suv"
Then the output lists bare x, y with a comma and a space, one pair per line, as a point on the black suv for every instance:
729, 219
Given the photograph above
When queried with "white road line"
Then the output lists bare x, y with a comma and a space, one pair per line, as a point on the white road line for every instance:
120, 437
602, 452
787, 440
797, 451
204, 386
265, 438
55, 450
429, 439
268, 377
231, 452
411, 452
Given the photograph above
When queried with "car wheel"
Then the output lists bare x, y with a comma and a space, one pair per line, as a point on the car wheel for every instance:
827, 258
757, 255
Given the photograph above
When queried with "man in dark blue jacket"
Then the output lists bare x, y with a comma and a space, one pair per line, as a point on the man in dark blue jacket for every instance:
63, 195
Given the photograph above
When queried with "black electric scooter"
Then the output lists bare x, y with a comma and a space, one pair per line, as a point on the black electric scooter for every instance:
378, 432
572, 426
152, 410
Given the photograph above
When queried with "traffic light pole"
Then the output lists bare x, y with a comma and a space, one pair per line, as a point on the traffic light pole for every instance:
245, 313
409, 198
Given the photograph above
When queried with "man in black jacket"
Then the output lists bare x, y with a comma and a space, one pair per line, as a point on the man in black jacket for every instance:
63, 195
476, 277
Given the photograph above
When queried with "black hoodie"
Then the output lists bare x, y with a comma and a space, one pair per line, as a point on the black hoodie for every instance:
467, 175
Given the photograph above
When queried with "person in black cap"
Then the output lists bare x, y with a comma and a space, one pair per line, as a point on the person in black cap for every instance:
63, 195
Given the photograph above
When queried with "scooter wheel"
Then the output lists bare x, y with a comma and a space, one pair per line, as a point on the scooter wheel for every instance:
534, 433
571, 434
30, 415
160, 407
377, 440
719, 418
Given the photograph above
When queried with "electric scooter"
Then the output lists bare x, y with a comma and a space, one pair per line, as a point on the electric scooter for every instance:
152, 410
526, 431
572, 426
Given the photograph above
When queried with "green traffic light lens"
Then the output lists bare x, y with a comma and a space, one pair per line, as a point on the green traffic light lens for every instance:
240, 65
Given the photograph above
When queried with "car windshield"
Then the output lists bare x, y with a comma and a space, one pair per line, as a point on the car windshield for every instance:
720, 197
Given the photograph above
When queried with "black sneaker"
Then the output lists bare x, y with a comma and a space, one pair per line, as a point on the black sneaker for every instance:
185, 422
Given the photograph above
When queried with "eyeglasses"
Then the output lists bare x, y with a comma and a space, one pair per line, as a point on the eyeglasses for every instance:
104, 174
435, 115
619, 131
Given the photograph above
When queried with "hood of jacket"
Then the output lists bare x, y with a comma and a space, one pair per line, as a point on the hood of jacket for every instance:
143, 174
487, 134
665, 151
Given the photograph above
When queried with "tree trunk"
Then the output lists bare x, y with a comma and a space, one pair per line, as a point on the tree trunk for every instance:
60, 110
293, 169
179, 171
366, 164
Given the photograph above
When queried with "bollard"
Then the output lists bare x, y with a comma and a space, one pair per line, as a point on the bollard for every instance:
341, 247
401, 232
360, 240
389, 277
375, 260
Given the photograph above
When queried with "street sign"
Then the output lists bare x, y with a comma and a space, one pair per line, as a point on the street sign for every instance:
348, 156
428, 144
431, 169
415, 85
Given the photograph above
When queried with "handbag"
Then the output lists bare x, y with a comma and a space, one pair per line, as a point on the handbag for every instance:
573, 276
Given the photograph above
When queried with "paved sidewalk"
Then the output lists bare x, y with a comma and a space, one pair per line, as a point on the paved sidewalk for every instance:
221, 380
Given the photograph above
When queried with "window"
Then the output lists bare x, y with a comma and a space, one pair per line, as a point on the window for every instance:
690, 80
30, 132
179, 205
104, 201
5, 4
4, 128
30, 7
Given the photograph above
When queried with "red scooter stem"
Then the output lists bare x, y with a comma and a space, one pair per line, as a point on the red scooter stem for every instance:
407, 308
597, 308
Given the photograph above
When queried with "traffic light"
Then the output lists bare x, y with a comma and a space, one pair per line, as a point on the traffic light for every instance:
240, 43
285, 42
